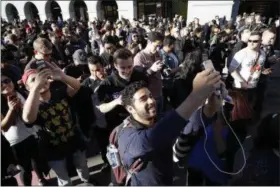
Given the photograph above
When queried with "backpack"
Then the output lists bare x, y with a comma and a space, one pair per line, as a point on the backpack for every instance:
121, 173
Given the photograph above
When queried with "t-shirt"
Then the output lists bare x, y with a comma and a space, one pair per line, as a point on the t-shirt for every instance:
93, 84
18, 131
55, 118
110, 89
244, 62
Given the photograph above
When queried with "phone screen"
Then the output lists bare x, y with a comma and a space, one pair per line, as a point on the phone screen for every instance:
12, 97
208, 65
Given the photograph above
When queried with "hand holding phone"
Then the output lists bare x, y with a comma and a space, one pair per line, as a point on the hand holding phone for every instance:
207, 64
13, 103
157, 66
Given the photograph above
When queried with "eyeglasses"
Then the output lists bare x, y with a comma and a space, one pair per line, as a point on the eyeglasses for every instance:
5, 81
46, 55
253, 41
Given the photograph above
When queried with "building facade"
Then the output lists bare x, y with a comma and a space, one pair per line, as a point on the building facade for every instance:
114, 9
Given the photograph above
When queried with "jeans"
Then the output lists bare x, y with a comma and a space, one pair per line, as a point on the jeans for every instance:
27, 155
60, 169
102, 138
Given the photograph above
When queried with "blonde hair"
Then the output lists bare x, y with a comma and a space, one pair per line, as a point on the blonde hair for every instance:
42, 44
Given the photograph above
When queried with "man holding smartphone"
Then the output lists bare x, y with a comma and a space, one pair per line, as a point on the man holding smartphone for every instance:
149, 60
51, 110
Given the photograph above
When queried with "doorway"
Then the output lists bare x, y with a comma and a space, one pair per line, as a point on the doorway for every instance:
78, 10
31, 12
53, 10
107, 10
11, 13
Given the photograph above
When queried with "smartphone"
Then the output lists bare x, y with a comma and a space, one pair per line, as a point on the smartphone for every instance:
13, 172
208, 64
12, 97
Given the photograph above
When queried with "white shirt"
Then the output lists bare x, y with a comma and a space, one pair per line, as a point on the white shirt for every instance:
18, 131
243, 62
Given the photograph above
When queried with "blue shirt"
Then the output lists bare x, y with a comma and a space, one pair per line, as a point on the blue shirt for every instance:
170, 59
199, 160
154, 147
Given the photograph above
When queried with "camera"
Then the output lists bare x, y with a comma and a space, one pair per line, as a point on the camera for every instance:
166, 72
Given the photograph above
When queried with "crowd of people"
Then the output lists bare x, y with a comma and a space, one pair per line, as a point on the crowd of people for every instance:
139, 88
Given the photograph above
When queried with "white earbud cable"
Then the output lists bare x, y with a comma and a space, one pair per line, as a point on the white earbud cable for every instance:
205, 140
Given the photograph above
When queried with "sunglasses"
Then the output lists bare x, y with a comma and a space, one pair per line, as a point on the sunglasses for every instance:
47, 55
253, 41
5, 81
109, 48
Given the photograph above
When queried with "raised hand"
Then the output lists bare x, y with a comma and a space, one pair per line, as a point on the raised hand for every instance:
14, 103
206, 82
42, 78
57, 74
157, 66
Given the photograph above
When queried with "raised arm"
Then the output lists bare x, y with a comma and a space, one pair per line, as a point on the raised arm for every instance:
31, 105
170, 126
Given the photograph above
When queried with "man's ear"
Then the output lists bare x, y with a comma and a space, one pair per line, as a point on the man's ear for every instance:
130, 109
115, 65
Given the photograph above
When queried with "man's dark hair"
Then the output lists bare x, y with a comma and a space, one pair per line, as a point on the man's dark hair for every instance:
271, 30
94, 59
154, 36
256, 33
6, 56
12, 37
169, 40
109, 40
130, 90
123, 54
230, 26
108, 27
198, 30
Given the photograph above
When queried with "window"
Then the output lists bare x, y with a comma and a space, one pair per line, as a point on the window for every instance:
153, 8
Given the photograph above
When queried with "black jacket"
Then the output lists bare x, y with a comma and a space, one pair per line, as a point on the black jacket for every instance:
82, 109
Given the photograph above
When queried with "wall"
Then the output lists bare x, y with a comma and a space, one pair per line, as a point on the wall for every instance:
126, 9
207, 10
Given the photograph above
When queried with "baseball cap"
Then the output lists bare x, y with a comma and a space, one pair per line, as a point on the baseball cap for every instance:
80, 57
27, 74
36, 64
